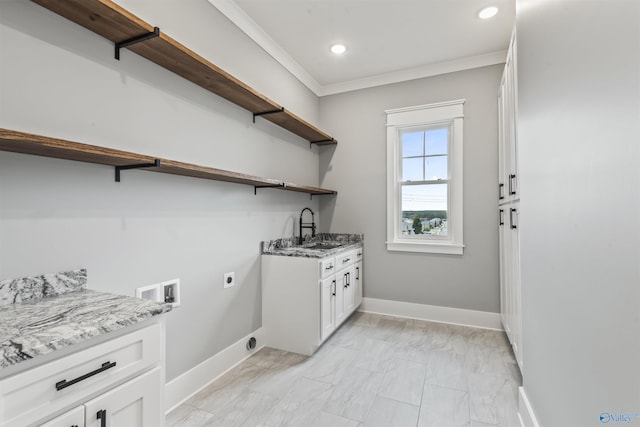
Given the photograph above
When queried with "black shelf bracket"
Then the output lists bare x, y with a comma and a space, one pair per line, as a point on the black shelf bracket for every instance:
322, 140
264, 113
255, 187
155, 164
137, 39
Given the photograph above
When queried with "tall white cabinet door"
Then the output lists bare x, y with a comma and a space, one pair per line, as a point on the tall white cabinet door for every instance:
327, 307
357, 287
133, 404
516, 296
72, 418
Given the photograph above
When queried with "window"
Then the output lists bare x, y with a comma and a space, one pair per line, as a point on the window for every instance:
424, 178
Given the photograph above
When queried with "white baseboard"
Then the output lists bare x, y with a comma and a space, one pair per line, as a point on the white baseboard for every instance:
525, 411
195, 379
457, 316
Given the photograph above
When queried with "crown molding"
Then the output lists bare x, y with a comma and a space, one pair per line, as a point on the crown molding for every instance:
246, 24
420, 72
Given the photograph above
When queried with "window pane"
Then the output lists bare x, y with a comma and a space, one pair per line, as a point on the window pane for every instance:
424, 210
437, 141
412, 169
412, 144
435, 168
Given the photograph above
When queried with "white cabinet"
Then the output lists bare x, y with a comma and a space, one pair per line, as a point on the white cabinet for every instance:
136, 403
508, 185
509, 206
304, 300
69, 384
328, 293
510, 289
357, 283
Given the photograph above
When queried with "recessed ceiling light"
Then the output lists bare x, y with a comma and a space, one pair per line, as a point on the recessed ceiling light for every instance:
488, 12
338, 48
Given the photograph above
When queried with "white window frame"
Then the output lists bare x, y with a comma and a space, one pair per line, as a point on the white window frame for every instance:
444, 113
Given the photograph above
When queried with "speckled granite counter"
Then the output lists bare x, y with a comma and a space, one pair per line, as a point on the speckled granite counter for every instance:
42, 314
332, 243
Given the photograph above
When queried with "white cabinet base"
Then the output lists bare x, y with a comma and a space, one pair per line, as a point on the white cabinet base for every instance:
304, 300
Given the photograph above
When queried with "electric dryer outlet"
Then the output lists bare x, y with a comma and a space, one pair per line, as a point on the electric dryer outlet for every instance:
229, 279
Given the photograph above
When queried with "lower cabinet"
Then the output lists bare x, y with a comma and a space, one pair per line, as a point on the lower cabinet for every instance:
118, 382
133, 404
357, 283
304, 300
510, 283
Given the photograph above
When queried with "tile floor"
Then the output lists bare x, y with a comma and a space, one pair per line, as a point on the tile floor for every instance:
374, 371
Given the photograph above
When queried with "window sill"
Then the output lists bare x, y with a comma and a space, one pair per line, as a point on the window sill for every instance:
426, 247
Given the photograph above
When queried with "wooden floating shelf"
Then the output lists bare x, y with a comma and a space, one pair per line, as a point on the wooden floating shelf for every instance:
118, 24
38, 145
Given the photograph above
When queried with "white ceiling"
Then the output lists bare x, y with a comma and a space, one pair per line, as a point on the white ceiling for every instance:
387, 40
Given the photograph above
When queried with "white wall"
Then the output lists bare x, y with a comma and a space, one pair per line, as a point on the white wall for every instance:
60, 80
358, 167
579, 139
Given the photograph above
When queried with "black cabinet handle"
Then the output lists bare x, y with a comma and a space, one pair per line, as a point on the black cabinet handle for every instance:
357, 273
511, 190
329, 268
513, 224
334, 288
64, 383
501, 217
500, 191
102, 416
346, 260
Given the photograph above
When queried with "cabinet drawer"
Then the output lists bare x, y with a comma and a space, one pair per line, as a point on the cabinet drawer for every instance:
48, 388
345, 259
358, 254
327, 267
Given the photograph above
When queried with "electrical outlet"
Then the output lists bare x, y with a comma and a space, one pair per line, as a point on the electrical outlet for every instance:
229, 279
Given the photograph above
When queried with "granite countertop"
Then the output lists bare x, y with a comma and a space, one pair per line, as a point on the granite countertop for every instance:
320, 246
40, 322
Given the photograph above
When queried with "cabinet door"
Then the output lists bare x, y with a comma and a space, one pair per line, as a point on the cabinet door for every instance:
515, 282
340, 314
327, 307
357, 288
505, 263
349, 290
137, 403
72, 418
502, 142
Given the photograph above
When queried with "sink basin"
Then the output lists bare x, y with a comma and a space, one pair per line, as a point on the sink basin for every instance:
324, 245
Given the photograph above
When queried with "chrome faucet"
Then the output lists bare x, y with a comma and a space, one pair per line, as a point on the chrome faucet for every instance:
311, 225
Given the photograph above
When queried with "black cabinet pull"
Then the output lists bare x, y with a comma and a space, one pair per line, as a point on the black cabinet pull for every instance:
511, 190
329, 267
102, 416
513, 224
500, 191
334, 288
346, 260
357, 273
501, 217
64, 383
